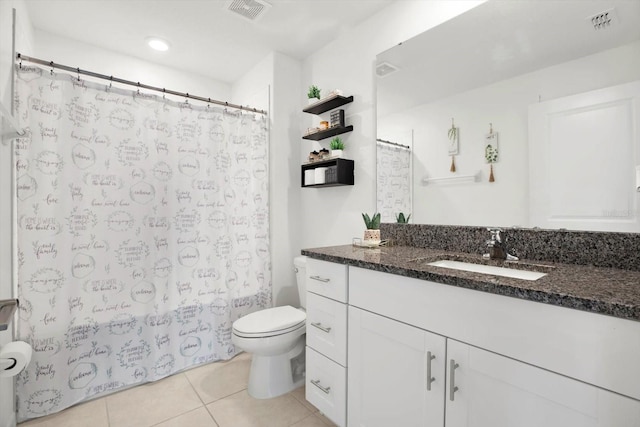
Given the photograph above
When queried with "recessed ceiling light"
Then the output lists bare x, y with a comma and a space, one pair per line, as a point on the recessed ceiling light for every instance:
158, 44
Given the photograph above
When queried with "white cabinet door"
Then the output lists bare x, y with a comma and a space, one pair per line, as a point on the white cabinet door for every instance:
388, 377
496, 391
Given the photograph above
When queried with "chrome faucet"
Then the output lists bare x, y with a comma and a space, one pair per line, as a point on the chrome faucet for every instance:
497, 246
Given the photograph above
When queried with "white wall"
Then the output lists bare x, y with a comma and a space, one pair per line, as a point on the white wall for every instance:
504, 104
282, 75
332, 215
75, 53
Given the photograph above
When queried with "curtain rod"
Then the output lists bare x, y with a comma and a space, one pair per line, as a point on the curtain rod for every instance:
139, 85
394, 143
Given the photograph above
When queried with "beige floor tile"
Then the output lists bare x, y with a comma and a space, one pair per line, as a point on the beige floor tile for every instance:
93, 413
219, 379
310, 421
299, 395
149, 404
197, 418
325, 420
242, 410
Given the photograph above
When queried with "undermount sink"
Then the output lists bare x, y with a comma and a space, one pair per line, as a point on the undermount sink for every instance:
488, 269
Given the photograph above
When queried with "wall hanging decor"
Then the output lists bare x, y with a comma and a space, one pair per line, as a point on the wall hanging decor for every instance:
491, 150
453, 149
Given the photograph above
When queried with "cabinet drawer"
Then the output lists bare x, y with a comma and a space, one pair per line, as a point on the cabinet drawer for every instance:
326, 386
327, 327
327, 278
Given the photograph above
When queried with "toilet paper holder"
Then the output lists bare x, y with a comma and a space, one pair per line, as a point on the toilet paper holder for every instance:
7, 309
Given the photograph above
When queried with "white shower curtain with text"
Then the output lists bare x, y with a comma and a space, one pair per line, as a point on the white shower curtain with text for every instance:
142, 229
393, 187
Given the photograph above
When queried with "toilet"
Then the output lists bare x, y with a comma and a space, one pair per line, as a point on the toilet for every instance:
276, 339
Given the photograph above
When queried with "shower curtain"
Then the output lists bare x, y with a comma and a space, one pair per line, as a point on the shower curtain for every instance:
142, 229
393, 187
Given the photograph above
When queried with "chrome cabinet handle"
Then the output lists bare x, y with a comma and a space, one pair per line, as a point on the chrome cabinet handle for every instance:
430, 379
319, 279
452, 379
318, 325
316, 383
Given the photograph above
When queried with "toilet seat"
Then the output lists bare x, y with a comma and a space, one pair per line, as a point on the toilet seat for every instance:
270, 322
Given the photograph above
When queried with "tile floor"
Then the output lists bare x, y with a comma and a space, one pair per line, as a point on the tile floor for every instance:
213, 395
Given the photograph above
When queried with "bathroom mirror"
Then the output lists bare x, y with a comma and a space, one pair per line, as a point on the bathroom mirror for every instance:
485, 73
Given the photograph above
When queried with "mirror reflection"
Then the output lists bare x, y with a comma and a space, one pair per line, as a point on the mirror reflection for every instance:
537, 95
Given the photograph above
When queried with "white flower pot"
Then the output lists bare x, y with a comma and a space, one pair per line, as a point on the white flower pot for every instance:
336, 153
313, 100
372, 235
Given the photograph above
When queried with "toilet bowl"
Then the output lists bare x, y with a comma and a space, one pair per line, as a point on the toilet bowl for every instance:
276, 339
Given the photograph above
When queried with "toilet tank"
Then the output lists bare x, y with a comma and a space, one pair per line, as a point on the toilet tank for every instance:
300, 267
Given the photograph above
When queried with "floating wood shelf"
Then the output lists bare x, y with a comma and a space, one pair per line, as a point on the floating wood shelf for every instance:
328, 133
327, 104
343, 172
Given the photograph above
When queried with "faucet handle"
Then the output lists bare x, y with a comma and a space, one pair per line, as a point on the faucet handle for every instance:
495, 234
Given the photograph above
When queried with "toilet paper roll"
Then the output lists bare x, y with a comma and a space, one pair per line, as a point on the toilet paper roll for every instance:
319, 175
18, 355
637, 178
309, 177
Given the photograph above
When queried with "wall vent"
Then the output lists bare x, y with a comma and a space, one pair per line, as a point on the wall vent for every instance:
251, 10
603, 20
384, 69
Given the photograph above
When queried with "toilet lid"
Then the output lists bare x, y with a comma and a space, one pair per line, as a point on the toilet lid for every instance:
269, 321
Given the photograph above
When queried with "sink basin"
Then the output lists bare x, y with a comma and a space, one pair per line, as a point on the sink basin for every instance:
489, 269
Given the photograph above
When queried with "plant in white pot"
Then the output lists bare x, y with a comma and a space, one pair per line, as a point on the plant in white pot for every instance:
336, 146
313, 94
372, 233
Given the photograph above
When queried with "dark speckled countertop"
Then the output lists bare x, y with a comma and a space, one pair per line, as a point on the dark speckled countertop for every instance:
609, 291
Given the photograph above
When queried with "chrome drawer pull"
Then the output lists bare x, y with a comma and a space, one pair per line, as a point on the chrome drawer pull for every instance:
316, 383
319, 279
452, 379
430, 379
322, 328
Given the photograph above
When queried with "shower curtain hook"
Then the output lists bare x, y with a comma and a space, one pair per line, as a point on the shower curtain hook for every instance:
138, 88
186, 101
164, 91
51, 64
20, 58
208, 102
78, 70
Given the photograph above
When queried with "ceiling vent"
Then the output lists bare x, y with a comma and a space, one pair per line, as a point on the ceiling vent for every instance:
251, 10
384, 69
603, 20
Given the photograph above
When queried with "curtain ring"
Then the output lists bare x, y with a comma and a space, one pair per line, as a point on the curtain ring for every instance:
164, 91
138, 88
78, 70
20, 58
51, 64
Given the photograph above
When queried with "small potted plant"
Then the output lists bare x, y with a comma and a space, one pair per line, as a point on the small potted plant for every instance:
336, 146
313, 94
401, 219
372, 233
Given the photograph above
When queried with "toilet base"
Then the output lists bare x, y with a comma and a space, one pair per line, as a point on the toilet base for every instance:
273, 376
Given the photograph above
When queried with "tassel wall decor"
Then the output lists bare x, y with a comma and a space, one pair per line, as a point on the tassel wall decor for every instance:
452, 135
491, 150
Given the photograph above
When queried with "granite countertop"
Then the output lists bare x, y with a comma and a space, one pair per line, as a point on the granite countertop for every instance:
608, 291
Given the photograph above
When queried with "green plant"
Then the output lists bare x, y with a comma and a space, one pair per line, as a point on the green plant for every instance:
314, 92
372, 223
337, 144
400, 218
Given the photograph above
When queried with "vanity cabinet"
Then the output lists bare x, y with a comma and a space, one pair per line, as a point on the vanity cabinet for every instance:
396, 373
492, 390
507, 361
326, 352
